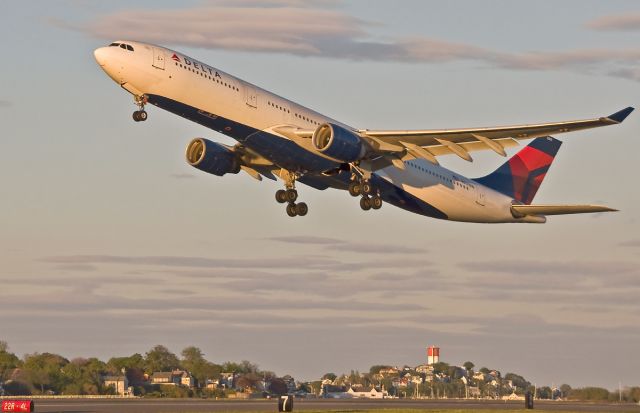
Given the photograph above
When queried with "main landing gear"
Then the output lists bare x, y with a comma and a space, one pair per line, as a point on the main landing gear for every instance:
290, 195
140, 115
360, 186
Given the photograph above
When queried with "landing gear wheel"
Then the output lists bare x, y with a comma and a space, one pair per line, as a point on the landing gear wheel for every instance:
292, 195
139, 115
291, 210
355, 189
281, 196
376, 202
301, 209
366, 187
365, 203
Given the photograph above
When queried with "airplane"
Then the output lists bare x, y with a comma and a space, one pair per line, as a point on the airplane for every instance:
278, 138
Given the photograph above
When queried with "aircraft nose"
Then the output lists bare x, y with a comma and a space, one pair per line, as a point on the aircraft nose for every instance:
101, 55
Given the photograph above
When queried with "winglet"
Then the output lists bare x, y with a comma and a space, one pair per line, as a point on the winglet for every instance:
621, 115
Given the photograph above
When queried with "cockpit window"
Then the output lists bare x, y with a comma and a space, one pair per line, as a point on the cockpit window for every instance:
123, 46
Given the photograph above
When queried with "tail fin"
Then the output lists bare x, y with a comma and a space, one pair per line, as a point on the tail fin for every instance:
521, 176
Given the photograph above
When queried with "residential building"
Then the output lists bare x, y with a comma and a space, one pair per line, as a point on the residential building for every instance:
372, 393
119, 383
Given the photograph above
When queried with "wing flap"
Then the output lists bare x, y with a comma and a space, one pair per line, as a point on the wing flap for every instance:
523, 210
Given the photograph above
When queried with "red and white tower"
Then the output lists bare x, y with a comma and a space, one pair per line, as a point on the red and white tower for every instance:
433, 355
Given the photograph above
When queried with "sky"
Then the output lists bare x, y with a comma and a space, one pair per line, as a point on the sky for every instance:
110, 243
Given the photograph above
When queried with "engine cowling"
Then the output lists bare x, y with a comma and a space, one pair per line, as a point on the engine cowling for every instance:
211, 157
338, 143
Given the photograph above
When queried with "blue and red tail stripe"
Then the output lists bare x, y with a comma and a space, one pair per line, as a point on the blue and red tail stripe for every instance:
521, 176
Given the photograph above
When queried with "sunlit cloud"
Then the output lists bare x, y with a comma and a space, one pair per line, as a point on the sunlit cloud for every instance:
618, 22
317, 29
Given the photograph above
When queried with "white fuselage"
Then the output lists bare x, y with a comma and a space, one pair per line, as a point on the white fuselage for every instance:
154, 70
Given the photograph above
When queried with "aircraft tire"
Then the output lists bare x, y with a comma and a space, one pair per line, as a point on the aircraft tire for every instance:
376, 202
281, 196
367, 188
291, 210
136, 116
355, 189
142, 115
292, 195
365, 203
301, 209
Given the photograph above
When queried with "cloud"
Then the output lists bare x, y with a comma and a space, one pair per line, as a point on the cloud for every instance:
333, 244
5, 104
313, 29
307, 239
619, 22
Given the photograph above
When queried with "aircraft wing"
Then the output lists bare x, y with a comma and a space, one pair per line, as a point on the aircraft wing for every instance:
431, 143
523, 210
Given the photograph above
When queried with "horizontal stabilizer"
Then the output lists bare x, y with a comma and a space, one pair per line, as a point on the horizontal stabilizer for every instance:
523, 210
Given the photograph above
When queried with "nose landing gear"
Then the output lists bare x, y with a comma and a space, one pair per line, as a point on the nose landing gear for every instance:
140, 115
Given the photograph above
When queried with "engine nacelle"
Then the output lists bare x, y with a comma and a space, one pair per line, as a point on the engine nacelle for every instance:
211, 157
338, 143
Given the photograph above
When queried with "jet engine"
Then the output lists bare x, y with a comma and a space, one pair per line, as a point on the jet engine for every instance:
338, 143
212, 157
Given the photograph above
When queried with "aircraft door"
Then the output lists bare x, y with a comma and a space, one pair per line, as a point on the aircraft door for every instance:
252, 97
158, 58
480, 196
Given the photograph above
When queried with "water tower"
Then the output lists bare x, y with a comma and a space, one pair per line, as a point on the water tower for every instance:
433, 355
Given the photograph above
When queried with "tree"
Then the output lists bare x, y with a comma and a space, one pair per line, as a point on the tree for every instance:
193, 360
440, 367
4, 347
330, 376
45, 371
133, 366
565, 389
8, 362
375, 369
468, 365
278, 386
160, 358
248, 381
485, 370
517, 381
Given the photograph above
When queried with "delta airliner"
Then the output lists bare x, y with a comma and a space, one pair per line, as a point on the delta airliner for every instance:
278, 138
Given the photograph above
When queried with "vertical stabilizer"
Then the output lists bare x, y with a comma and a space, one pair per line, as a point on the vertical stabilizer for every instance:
521, 176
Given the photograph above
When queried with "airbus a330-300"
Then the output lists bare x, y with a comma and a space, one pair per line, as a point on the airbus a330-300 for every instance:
278, 138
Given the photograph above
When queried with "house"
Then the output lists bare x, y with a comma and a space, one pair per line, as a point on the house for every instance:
388, 371
186, 379
119, 383
513, 396
162, 377
424, 368
212, 384
372, 393
173, 378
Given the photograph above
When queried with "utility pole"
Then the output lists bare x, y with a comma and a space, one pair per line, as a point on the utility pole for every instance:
620, 390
